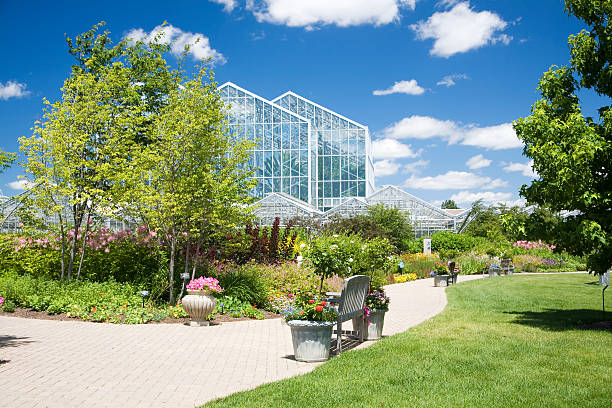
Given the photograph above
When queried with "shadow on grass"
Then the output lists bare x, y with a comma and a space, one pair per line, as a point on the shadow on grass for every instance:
560, 320
13, 341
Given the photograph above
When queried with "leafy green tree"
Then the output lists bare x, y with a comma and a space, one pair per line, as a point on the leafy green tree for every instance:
6, 159
193, 179
394, 222
572, 153
77, 150
449, 204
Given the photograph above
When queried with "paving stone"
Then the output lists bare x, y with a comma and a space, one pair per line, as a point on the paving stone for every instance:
77, 364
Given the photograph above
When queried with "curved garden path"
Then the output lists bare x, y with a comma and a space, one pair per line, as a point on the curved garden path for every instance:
51, 363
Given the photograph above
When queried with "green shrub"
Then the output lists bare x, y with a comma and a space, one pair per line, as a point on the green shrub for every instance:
108, 301
449, 242
238, 308
243, 283
8, 306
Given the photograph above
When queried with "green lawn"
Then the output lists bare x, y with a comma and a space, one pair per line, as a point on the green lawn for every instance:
507, 341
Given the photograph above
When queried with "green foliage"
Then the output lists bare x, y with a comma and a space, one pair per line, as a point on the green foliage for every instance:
413, 246
8, 306
243, 283
125, 261
449, 244
6, 159
571, 153
449, 204
380, 222
238, 308
394, 222
109, 301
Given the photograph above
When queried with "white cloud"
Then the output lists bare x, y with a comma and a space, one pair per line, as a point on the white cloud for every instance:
490, 197
526, 169
391, 149
424, 127
415, 167
453, 180
19, 184
408, 87
449, 80
478, 162
343, 13
460, 30
12, 89
199, 44
492, 137
386, 168
228, 5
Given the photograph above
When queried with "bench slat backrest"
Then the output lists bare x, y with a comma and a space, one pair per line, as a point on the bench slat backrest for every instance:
353, 295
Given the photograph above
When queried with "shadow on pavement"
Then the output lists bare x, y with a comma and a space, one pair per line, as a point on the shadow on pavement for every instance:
13, 341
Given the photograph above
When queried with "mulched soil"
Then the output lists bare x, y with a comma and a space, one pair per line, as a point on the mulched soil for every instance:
33, 314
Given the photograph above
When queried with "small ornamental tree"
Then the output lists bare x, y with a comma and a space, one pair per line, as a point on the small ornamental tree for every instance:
192, 179
572, 153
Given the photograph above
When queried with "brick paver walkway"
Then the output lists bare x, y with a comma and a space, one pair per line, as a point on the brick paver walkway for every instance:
46, 363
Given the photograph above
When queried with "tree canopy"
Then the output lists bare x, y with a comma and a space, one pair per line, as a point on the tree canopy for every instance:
571, 152
449, 204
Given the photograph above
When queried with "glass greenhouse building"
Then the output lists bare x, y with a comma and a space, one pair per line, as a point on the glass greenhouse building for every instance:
312, 161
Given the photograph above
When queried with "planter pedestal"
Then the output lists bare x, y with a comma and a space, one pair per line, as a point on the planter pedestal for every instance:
198, 305
441, 280
311, 340
372, 331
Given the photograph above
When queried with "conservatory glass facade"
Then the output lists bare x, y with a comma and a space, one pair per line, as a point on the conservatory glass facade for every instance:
282, 154
344, 163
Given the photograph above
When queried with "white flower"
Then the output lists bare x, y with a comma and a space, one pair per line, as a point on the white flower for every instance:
336, 235
302, 245
363, 247
350, 259
334, 246
299, 258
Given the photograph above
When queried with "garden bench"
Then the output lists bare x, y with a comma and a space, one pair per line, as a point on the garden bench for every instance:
452, 278
350, 303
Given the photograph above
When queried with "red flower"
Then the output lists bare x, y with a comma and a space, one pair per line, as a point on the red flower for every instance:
124, 307
323, 303
302, 312
319, 308
311, 301
102, 294
94, 309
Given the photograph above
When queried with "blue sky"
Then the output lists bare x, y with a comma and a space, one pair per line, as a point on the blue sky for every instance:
438, 82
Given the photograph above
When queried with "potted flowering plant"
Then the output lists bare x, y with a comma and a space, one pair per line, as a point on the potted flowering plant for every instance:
311, 321
199, 301
375, 306
440, 274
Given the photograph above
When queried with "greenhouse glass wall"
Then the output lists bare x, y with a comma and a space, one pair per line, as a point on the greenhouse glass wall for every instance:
311, 161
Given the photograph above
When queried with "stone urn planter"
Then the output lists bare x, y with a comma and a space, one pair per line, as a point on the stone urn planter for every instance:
441, 280
311, 339
198, 305
373, 330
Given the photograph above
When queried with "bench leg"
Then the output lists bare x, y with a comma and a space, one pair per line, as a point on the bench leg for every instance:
339, 338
